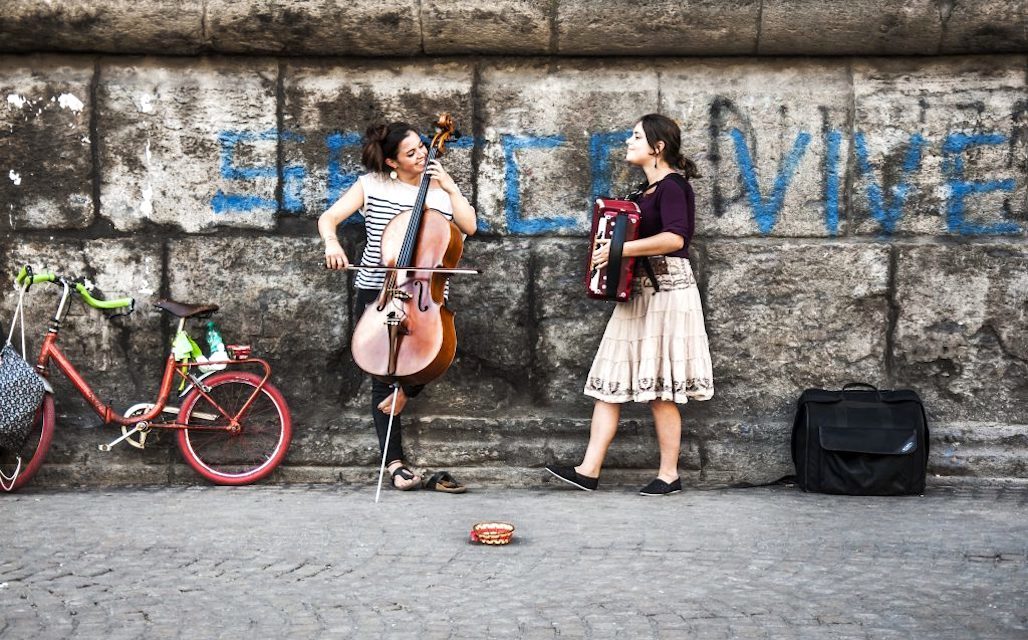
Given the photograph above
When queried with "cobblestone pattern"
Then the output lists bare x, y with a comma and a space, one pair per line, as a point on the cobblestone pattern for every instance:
299, 562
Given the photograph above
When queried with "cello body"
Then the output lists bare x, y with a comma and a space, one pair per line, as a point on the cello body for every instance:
407, 335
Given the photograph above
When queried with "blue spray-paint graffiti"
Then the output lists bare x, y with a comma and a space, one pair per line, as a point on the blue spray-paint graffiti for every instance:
888, 217
293, 176
512, 178
832, 146
887, 211
600, 145
338, 180
953, 166
230, 203
765, 211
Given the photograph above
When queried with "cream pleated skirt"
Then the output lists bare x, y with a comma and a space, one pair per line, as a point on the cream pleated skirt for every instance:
655, 345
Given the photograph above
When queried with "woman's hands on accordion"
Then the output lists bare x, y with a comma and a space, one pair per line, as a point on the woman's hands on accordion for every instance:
601, 254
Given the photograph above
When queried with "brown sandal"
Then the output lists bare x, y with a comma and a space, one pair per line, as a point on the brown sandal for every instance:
444, 482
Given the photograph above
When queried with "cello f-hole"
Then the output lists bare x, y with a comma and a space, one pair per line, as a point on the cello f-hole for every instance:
422, 305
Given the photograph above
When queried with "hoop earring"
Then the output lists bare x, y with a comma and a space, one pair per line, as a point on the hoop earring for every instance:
392, 174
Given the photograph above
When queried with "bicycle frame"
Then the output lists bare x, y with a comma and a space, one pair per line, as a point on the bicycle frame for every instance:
50, 351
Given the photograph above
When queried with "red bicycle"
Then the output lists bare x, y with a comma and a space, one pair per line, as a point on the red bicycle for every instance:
233, 426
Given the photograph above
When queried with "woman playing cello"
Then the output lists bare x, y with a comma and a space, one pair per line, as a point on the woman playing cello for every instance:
395, 157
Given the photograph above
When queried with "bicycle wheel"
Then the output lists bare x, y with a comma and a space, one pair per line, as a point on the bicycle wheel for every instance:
34, 451
251, 453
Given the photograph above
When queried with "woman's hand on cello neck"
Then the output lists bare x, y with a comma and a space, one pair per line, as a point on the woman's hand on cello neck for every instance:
464, 215
443, 179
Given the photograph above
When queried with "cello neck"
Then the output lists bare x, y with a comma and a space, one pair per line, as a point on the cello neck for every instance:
406, 257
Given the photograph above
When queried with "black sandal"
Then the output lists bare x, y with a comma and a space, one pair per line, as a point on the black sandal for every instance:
405, 474
444, 482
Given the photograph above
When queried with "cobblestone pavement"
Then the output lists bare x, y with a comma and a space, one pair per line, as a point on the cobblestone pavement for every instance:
326, 562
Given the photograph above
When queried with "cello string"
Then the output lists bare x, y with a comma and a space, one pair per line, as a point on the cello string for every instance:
410, 239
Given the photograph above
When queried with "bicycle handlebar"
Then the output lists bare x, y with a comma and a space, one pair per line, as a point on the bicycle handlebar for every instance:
26, 277
103, 304
23, 276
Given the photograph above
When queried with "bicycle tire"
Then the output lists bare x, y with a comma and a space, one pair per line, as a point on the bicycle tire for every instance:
33, 453
241, 458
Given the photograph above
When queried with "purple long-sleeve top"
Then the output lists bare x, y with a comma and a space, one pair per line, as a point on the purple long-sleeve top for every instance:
671, 207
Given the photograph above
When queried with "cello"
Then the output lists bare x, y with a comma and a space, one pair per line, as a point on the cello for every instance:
407, 335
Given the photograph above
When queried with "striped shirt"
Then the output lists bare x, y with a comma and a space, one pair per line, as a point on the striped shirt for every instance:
383, 199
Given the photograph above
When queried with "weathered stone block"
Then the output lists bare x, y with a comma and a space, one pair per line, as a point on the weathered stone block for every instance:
328, 107
962, 330
554, 138
121, 359
660, 27
188, 143
300, 27
115, 26
118, 468
982, 450
45, 158
787, 317
742, 453
940, 146
861, 27
276, 296
769, 140
533, 442
995, 26
518, 27
493, 369
346, 440
569, 324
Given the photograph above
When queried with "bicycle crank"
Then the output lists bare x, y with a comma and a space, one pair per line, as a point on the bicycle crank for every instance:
127, 435
137, 434
140, 430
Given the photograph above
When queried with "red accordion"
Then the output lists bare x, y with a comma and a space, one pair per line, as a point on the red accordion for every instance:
617, 221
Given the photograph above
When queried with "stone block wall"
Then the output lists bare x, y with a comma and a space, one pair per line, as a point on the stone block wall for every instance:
859, 218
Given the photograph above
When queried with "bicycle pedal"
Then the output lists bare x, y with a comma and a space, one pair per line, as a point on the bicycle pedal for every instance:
124, 436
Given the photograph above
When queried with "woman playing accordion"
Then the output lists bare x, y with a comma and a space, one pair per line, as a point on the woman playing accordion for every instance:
654, 349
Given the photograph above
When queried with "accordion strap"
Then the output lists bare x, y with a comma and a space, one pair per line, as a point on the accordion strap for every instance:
617, 248
650, 274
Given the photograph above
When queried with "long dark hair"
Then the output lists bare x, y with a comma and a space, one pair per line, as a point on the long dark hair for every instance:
382, 142
660, 128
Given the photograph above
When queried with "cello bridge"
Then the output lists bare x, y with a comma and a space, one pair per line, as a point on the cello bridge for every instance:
400, 293
394, 319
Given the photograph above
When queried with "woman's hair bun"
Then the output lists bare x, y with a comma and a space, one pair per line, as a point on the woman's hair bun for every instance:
382, 142
376, 133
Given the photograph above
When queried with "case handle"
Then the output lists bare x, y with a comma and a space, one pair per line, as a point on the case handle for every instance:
850, 385
865, 385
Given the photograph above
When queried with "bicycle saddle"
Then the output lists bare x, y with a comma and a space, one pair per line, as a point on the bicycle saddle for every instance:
183, 310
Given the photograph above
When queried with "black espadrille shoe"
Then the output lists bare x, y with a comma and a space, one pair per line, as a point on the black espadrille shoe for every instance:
572, 477
660, 488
